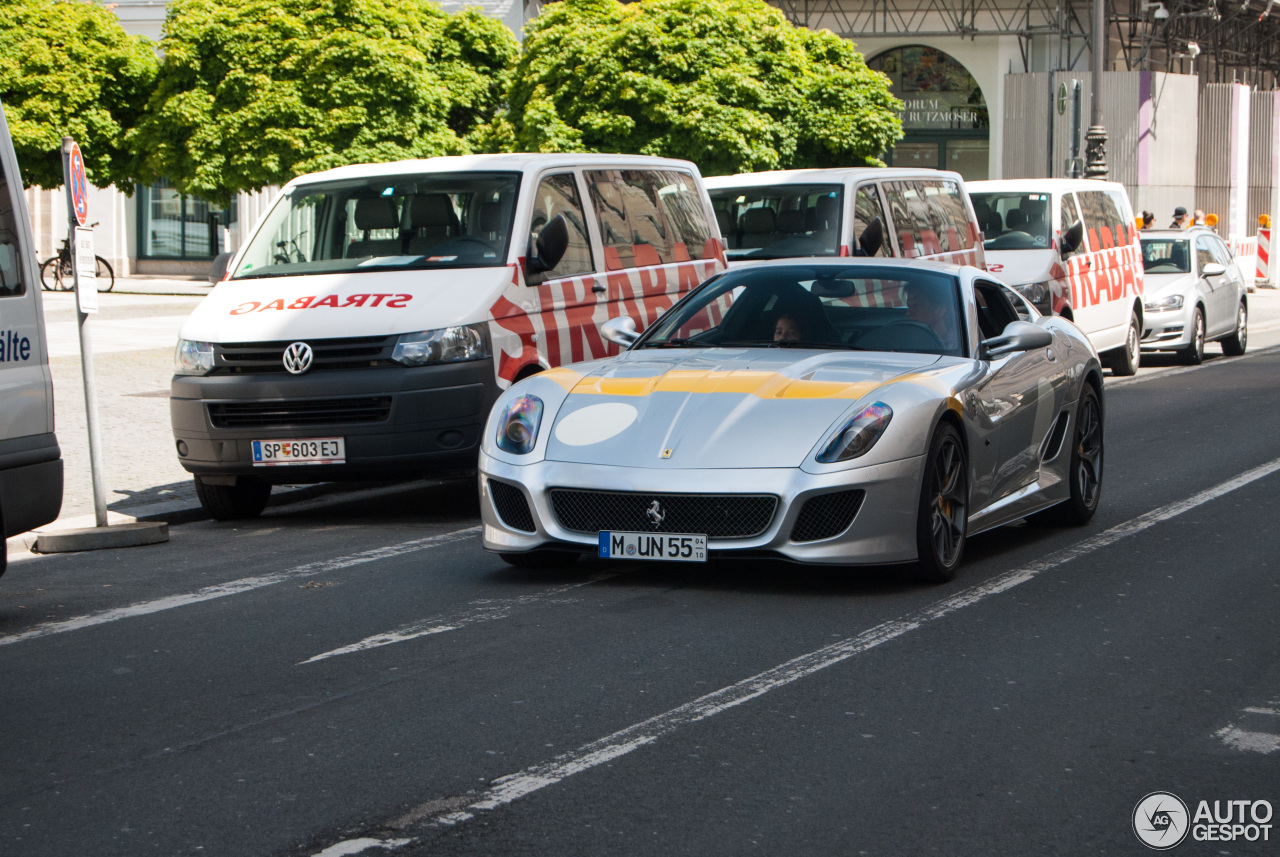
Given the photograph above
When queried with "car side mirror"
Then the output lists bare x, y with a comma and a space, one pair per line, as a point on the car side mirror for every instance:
872, 238
1212, 269
545, 253
620, 331
1072, 239
218, 269
1017, 336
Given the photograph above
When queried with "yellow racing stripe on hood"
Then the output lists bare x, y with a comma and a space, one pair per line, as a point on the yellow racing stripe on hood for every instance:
765, 385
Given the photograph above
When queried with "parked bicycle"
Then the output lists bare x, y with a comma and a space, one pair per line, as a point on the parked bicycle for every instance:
56, 274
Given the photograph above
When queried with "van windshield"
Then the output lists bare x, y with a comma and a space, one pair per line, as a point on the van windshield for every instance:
779, 221
1014, 221
442, 220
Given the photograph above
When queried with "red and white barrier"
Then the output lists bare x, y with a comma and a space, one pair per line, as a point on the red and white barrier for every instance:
1263, 276
1246, 252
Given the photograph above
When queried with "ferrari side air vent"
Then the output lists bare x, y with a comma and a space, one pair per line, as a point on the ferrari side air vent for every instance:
1053, 441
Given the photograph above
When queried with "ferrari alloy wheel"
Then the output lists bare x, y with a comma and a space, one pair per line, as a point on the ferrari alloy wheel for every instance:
1085, 472
943, 517
1124, 361
1234, 345
1193, 354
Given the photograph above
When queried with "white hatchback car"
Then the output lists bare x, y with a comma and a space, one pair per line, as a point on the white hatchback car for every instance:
1194, 293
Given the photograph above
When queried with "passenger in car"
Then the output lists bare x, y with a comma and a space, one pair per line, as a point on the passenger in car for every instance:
786, 328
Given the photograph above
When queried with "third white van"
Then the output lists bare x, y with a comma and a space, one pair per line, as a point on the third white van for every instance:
1070, 246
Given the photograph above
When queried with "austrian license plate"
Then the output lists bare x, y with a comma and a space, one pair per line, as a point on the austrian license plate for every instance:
316, 450
671, 547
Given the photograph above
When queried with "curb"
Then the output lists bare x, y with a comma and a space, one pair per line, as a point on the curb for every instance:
131, 535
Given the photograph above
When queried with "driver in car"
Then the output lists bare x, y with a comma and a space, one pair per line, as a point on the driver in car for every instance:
928, 305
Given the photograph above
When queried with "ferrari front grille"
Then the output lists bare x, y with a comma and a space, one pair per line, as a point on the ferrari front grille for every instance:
511, 506
717, 516
826, 516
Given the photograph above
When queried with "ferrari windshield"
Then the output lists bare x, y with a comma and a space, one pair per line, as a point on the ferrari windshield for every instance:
1166, 255
779, 221
442, 220
854, 307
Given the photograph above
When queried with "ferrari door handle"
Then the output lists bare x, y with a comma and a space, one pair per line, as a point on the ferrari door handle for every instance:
1048, 353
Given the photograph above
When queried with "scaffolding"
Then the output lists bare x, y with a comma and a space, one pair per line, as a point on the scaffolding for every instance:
1222, 42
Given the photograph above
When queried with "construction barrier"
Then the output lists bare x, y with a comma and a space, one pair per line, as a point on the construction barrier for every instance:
1247, 259
1263, 277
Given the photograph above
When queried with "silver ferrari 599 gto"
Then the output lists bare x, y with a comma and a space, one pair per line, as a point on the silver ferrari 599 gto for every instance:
841, 411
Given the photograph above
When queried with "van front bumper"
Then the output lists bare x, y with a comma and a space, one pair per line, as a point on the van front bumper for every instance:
395, 421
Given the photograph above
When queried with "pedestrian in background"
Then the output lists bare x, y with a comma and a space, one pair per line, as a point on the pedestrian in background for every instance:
1199, 218
1148, 219
1179, 218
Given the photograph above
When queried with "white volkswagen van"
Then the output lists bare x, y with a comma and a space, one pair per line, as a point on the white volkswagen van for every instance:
367, 326
1071, 247
864, 211
30, 459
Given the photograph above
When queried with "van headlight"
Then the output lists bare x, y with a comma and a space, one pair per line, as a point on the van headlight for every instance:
518, 426
445, 345
1034, 292
193, 358
1164, 304
858, 435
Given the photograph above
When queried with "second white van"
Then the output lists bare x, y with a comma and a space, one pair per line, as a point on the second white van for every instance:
367, 326
1071, 247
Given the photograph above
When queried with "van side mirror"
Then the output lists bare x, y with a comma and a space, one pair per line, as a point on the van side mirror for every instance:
872, 238
1212, 269
218, 269
1072, 239
1017, 336
620, 331
545, 253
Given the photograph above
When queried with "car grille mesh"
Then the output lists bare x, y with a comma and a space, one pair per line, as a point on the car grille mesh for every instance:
511, 505
826, 515
718, 516
292, 413
352, 352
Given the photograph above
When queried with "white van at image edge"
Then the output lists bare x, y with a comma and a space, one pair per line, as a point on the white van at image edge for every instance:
377, 310
847, 211
30, 459
1091, 275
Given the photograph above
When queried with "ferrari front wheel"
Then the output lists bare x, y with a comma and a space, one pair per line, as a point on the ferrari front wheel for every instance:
943, 517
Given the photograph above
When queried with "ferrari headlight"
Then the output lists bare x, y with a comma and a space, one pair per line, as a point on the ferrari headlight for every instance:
518, 426
1164, 304
193, 358
859, 434
445, 345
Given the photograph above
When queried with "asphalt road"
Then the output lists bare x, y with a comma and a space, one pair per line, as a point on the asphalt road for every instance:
357, 676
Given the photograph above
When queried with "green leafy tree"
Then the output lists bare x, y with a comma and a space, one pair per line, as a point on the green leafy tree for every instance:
254, 92
729, 84
68, 68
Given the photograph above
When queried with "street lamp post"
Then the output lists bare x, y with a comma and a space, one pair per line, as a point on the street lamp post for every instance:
1095, 152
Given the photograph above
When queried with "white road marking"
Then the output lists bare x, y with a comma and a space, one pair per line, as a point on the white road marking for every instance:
1272, 711
1169, 373
1250, 742
482, 611
356, 846
514, 786
235, 587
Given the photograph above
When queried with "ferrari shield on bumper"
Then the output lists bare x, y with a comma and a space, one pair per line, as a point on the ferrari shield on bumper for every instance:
862, 516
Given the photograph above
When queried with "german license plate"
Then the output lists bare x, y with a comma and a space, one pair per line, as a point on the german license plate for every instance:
315, 450
671, 547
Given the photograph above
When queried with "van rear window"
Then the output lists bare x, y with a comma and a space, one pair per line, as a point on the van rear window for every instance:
11, 283
443, 220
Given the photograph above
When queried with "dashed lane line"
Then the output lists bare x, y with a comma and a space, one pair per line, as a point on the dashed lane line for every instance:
512, 787
481, 611
236, 587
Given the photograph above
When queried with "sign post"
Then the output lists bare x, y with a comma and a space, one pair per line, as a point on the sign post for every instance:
86, 303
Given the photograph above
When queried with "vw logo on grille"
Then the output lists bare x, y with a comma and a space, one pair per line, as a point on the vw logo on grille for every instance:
655, 514
297, 358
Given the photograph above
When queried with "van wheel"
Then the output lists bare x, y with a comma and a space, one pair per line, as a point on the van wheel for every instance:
540, 559
1193, 354
246, 499
1234, 345
1124, 361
